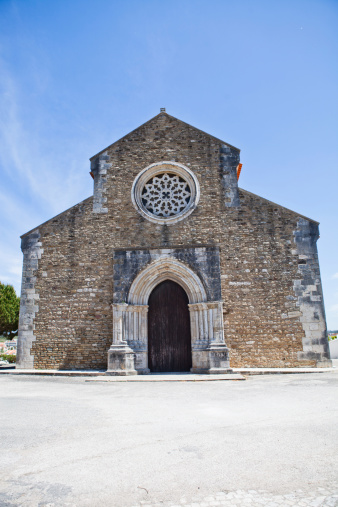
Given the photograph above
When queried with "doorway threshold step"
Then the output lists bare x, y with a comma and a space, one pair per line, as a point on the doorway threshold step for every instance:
168, 377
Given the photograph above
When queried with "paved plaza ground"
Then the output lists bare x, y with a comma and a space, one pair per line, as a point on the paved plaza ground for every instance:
268, 440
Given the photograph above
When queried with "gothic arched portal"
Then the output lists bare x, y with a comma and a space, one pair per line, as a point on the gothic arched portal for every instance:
131, 353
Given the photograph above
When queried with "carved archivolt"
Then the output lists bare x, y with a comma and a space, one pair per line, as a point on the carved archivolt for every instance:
165, 192
166, 268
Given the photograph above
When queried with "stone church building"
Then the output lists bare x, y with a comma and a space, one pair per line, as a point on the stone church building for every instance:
170, 266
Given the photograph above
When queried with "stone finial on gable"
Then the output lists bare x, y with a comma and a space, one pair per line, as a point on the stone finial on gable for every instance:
98, 169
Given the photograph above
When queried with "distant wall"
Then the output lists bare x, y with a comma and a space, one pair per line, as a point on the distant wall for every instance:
333, 344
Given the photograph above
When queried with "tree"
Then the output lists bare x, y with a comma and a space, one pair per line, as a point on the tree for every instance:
9, 311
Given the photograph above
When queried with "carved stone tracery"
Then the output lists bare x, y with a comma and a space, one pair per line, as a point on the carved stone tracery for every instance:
166, 195
165, 192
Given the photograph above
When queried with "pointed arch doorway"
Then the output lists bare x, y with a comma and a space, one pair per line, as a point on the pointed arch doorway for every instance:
169, 337
129, 352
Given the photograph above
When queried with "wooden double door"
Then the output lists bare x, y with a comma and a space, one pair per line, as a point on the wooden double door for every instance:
169, 338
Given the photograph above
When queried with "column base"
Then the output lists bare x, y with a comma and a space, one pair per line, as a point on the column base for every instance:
212, 360
121, 360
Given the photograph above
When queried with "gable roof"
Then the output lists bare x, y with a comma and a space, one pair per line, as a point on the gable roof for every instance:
277, 205
56, 216
161, 114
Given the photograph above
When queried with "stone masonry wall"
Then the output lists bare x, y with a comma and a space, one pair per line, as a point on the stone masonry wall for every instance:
260, 269
256, 240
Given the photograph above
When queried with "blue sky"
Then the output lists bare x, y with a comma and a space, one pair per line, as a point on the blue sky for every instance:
77, 75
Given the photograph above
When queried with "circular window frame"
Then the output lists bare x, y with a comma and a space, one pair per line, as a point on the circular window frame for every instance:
159, 168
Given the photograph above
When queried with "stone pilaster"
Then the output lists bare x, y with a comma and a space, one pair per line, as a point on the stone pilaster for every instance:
229, 160
32, 251
98, 168
308, 290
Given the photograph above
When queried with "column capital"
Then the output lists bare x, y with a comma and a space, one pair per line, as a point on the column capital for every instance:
138, 308
120, 306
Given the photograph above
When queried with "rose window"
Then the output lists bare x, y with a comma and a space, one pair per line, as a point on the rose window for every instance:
166, 195
165, 192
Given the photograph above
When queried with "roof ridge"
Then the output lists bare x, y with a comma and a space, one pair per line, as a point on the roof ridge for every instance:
162, 113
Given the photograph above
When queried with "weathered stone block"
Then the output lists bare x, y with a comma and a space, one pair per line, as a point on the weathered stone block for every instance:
121, 361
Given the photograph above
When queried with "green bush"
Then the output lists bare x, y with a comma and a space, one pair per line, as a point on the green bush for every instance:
11, 358
9, 311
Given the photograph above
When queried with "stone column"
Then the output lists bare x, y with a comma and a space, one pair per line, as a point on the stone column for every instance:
137, 336
199, 336
209, 351
121, 358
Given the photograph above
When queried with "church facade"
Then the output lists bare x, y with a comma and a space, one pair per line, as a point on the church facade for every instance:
170, 266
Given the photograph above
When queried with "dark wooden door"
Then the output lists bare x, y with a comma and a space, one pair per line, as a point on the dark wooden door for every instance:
169, 340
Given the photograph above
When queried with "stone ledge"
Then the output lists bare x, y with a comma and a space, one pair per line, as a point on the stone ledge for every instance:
170, 377
160, 377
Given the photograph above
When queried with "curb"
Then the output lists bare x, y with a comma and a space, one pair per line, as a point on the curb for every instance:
238, 373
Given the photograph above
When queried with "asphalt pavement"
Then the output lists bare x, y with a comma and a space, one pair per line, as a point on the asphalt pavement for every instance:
69, 441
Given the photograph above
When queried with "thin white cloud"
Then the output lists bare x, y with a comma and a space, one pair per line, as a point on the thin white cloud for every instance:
41, 177
14, 213
335, 275
42, 166
11, 138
